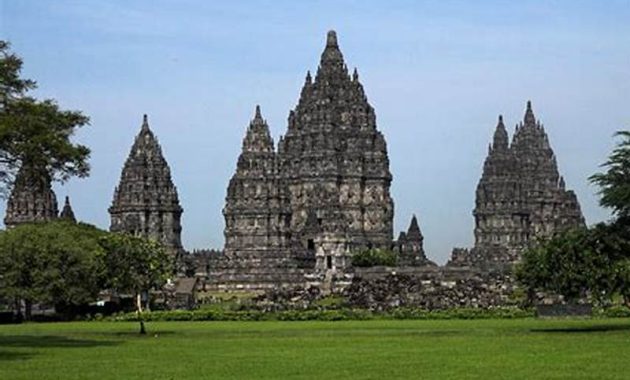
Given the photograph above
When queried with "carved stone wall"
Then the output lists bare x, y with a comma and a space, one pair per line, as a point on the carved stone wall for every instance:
145, 201
32, 198
520, 197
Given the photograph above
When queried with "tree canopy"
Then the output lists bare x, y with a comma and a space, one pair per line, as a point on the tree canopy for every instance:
591, 261
67, 264
33, 132
57, 263
614, 183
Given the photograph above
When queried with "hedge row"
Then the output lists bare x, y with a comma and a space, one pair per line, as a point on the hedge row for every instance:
324, 315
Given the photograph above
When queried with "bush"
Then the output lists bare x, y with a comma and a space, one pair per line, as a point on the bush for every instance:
343, 314
374, 257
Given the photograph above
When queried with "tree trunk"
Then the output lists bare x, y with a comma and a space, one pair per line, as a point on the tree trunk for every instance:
18, 310
28, 306
143, 331
626, 299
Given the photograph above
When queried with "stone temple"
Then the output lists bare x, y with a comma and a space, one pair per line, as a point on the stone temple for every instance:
325, 191
521, 196
296, 211
32, 198
145, 201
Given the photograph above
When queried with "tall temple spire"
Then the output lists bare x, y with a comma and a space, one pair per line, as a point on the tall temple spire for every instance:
500, 139
32, 198
67, 213
520, 196
529, 118
145, 201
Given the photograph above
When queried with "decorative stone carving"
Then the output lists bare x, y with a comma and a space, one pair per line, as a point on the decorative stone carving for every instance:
145, 201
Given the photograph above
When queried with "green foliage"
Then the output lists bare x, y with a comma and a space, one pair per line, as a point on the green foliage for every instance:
66, 264
134, 264
374, 257
56, 262
578, 262
339, 314
36, 134
614, 184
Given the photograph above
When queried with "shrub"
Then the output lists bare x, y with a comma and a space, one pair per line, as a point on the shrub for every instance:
374, 257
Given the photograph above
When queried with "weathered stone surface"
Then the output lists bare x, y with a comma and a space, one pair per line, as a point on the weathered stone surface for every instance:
256, 215
145, 201
409, 246
520, 196
32, 198
324, 192
431, 290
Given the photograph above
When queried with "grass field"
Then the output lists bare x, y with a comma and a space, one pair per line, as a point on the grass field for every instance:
446, 349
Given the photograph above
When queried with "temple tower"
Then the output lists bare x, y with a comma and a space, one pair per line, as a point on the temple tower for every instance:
145, 201
67, 213
334, 164
32, 198
410, 246
521, 195
255, 211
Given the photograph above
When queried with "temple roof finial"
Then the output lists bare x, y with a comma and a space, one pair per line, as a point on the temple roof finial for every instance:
331, 39
355, 75
66, 212
145, 122
500, 138
529, 114
413, 233
257, 114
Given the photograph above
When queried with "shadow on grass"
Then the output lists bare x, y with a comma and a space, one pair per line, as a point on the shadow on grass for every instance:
583, 329
136, 334
6, 356
50, 341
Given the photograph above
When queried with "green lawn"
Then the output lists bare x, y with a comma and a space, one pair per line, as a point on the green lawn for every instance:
445, 349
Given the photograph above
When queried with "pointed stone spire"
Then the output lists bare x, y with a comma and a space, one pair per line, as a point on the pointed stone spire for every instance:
413, 233
258, 138
145, 123
529, 118
500, 139
32, 198
66, 212
331, 62
561, 183
355, 75
308, 79
145, 201
257, 115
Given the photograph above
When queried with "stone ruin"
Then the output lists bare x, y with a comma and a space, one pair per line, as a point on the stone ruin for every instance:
33, 200
295, 213
520, 197
145, 201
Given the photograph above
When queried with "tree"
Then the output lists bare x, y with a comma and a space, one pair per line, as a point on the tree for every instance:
134, 265
580, 262
594, 260
54, 262
615, 182
36, 133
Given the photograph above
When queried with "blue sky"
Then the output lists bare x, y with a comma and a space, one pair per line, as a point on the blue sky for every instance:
438, 74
